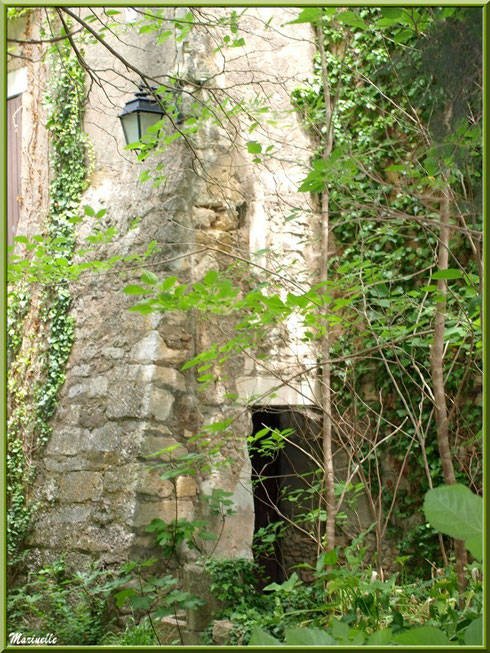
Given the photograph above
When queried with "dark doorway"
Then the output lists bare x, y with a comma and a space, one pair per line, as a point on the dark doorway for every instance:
278, 473
266, 481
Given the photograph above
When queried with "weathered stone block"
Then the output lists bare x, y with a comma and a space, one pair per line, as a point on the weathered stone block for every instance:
120, 479
67, 441
197, 582
98, 540
70, 515
205, 265
114, 353
152, 444
152, 349
105, 438
222, 628
98, 386
81, 370
186, 486
68, 414
227, 220
161, 402
168, 377
185, 409
150, 483
126, 400
79, 389
76, 487
202, 217
92, 414
66, 464
165, 510
170, 630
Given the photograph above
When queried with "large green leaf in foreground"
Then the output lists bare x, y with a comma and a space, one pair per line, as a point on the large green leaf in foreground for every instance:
456, 511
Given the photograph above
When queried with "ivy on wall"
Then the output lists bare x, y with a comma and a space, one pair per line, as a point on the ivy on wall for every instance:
389, 154
40, 328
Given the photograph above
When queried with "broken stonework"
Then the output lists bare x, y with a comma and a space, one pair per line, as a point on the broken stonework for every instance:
197, 582
222, 628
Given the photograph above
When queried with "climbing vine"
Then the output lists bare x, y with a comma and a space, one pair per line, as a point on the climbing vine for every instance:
391, 98
40, 328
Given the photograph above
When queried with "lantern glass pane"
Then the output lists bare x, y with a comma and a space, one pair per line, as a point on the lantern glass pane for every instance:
148, 119
130, 126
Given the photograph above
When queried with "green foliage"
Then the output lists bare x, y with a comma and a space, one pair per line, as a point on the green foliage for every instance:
373, 612
386, 160
234, 582
17, 12
71, 606
158, 596
32, 408
456, 511
177, 532
134, 634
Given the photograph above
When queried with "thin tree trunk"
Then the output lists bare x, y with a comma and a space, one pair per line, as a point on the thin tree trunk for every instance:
325, 341
437, 358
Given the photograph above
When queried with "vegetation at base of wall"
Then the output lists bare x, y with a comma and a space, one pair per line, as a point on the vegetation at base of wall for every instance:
344, 604
382, 297
70, 606
39, 350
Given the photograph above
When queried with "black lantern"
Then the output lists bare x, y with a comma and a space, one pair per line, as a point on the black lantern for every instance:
139, 114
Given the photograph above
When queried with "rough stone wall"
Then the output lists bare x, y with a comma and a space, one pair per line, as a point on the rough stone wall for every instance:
125, 396
34, 197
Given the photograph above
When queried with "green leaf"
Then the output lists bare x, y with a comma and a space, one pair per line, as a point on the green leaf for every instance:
123, 595
168, 283
140, 602
473, 635
456, 511
260, 637
88, 210
423, 636
210, 277
391, 12
162, 612
149, 277
308, 15
380, 638
21, 239
340, 630
474, 544
450, 273
254, 147
396, 168
403, 36
133, 289
387, 22
308, 637
352, 19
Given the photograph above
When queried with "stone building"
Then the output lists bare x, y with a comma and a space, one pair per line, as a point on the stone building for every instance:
125, 394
